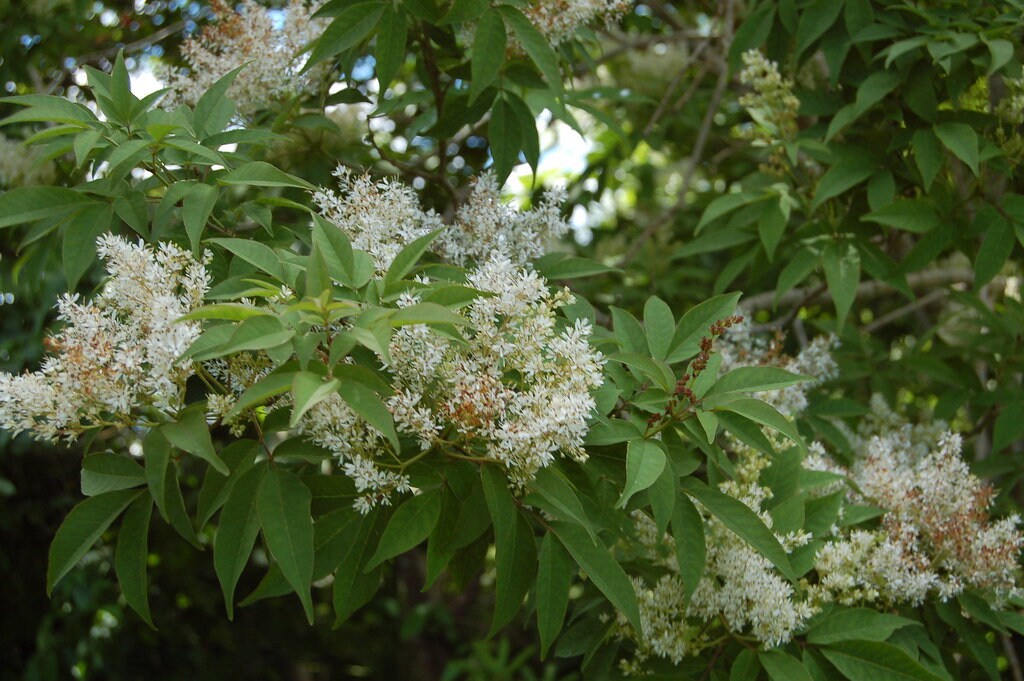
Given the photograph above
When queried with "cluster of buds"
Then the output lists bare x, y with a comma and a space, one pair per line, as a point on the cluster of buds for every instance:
707, 343
699, 364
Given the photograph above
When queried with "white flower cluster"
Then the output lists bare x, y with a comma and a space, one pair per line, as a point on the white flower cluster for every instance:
484, 225
22, 166
361, 450
384, 216
557, 20
936, 537
517, 392
269, 47
771, 102
740, 588
379, 217
740, 348
117, 354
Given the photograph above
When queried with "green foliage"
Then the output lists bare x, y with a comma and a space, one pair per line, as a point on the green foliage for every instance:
884, 208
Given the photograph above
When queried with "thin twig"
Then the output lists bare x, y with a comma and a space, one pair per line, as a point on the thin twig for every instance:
1012, 658
698, 147
900, 312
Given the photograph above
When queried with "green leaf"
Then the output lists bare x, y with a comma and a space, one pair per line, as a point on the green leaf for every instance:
996, 247
962, 140
602, 569
782, 666
368, 405
855, 624
82, 527
645, 461
766, 415
796, 270
407, 259
262, 174
488, 52
696, 324
554, 577
629, 332
662, 497
660, 326
353, 587
255, 253
411, 524
738, 517
560, 498
256, 333
131, 555
195, 212
754, 379
463, 11
308, 389
875, 661
239, 456
724, 205
815, 19
745, 667
25, 204
537, 47
527, 123
214, 109
514, 545
262, 390
107, 472
771, 225
284, 512
236, 533
846, 174
426, 313
842, 273
1002, 53
347, 30
691, 550
80, 233
1009, 426
927, 155
503, 136
191, 434
392, 34
48, 109
911, 215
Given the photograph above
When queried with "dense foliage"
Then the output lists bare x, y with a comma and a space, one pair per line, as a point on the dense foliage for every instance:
718, 401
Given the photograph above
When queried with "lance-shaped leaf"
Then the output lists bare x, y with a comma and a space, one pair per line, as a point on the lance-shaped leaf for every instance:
514, 546
284, 512
554, 577
236, 533
602, 569
411, 524
131, 556
107, 472
738, 517
191, 434
645, 461
81, 529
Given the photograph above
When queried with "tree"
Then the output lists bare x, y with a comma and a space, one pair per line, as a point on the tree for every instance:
737, 427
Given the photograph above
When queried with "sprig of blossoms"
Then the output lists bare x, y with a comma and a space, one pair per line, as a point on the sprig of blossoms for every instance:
117, 354
381, 217
269, 49
936, 538
740, 588
518, 391
557, 20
